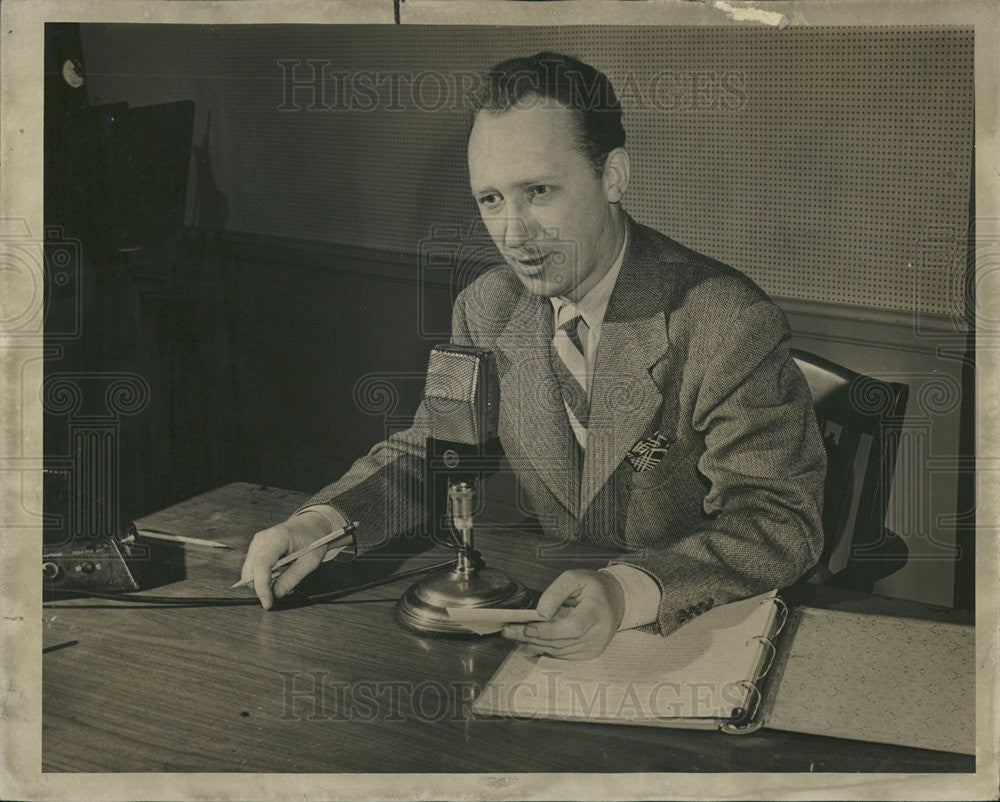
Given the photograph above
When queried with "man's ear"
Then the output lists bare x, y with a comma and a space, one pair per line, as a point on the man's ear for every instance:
616, 174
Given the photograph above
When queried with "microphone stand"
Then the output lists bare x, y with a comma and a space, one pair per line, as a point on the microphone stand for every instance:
467, 583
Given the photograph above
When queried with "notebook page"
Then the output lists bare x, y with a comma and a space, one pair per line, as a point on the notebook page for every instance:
890, 680
698, 671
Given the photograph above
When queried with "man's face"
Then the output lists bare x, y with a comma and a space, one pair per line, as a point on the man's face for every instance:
545, 208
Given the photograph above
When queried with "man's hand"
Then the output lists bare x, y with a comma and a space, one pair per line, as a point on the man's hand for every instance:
270, 545
584, 608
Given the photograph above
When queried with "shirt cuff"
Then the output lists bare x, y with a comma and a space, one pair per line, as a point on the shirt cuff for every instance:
642, 595
333, 516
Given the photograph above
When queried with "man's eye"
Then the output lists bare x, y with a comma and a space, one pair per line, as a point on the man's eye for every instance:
539, 190
489, 200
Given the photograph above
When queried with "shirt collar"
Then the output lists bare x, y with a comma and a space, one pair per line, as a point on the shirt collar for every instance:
594, 304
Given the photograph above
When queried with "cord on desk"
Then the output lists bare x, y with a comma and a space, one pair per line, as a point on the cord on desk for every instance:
245, 601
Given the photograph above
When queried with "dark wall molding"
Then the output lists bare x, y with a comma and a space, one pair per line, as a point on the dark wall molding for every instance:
875, 328
814, 320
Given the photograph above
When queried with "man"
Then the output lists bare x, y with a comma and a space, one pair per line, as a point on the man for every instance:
647, 397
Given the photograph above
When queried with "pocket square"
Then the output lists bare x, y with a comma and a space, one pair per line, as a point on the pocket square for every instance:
648, 452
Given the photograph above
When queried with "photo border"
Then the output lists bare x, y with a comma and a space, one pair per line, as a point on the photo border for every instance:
21, 141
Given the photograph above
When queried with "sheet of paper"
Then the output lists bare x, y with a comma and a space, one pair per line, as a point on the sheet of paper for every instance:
484, 620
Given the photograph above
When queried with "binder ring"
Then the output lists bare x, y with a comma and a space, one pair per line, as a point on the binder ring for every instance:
782, 616
750, 722
770, 660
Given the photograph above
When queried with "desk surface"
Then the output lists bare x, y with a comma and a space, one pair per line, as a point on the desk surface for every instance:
339, 687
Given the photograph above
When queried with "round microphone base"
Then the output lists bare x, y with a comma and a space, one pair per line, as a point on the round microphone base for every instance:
422, 608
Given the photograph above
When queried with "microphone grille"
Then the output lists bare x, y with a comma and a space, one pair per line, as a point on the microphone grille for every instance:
460, 395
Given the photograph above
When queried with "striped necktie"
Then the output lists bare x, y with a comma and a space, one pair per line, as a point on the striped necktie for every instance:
570, 367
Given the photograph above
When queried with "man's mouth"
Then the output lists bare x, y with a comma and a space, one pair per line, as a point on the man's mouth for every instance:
533, 265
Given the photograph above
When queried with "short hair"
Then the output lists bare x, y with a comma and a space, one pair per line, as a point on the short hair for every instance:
579, 87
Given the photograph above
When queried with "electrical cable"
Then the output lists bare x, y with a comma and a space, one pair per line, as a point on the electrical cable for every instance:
245, 601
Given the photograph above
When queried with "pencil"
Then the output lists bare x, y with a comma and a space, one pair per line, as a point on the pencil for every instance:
289, 558
195, 541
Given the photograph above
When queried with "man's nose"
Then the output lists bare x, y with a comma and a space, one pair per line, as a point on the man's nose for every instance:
517, 231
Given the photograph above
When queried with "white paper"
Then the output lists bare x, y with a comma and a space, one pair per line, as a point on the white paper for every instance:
484, 620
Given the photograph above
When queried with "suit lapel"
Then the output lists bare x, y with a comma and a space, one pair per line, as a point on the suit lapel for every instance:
626, 391
532, 407
625, 395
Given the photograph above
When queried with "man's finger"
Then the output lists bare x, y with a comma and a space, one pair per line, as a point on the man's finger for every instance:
296, 572
260, 571
565, 587
246, 575
252, 555
515, 632
564, 628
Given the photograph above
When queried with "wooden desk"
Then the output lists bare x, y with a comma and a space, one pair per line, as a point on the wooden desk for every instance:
339, 687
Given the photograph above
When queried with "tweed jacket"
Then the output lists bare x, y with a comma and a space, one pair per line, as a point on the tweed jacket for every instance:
692, 351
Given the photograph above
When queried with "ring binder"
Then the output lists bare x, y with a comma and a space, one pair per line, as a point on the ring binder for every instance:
783, 612
745, 722
770, 660
641, 678
703, 676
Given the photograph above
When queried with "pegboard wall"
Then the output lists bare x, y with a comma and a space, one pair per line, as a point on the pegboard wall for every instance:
827, 164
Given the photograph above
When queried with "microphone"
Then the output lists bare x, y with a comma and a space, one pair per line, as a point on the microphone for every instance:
461, 399
461, 394
462, 402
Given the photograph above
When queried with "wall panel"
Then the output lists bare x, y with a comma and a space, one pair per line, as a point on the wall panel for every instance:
819, 161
